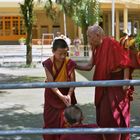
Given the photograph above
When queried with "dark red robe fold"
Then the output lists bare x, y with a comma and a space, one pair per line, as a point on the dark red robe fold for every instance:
82, 136
135, 64
112, 106
53, 106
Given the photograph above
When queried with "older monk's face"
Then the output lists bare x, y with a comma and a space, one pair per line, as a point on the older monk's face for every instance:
94, 39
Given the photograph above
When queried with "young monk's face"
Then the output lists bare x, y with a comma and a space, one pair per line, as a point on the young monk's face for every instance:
60, 54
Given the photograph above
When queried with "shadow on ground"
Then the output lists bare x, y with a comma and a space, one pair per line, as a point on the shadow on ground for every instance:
5, 78
12, 118
16, 118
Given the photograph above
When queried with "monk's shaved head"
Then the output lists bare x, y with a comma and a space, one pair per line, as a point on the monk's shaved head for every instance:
95, 34
73, 114
95, 29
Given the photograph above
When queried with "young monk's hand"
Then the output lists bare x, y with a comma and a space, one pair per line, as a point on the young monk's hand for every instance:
69, 99
65, 100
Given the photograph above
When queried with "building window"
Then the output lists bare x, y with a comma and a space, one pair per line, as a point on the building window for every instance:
1, 26
56, 28
43, 30
11, 25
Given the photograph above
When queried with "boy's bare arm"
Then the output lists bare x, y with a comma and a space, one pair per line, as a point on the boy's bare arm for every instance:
55, 90
72, 78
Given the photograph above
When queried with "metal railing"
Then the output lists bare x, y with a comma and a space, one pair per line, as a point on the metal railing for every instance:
70, 130
105, 83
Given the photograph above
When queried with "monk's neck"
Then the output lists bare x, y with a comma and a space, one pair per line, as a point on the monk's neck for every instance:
58, 63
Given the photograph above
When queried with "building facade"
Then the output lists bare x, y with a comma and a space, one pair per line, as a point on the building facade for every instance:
127, 17
12, 28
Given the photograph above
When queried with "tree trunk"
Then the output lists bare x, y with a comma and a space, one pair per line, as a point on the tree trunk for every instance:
29, 47
84, 32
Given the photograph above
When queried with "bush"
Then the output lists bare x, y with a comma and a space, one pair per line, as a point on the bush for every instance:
22, 40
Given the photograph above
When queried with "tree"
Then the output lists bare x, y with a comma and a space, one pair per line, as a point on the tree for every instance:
83, 12
27, 11
86, 13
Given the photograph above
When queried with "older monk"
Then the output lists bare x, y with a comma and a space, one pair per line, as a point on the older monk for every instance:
111, 63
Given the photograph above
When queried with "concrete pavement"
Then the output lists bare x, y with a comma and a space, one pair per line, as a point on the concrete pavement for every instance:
32, 99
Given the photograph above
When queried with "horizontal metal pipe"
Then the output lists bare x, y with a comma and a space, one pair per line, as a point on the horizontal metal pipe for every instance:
69, 131
103, 83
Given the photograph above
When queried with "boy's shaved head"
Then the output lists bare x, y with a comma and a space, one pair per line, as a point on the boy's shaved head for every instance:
73, 114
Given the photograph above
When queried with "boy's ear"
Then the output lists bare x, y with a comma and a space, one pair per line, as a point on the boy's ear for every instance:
66, 124
65, 120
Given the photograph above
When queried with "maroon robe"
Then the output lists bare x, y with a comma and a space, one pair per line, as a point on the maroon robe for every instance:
135, 61
53, 106
82, 136
112, 105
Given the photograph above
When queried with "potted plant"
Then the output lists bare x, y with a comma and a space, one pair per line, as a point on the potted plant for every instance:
22, 41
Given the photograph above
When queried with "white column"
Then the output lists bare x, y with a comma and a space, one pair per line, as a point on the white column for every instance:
117, 25
113, 17
125, 18
65, 30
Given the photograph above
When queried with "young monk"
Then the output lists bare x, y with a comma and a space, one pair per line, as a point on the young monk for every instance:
73, 117
58, 68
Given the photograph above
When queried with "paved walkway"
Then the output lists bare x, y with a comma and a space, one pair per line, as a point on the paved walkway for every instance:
32, 99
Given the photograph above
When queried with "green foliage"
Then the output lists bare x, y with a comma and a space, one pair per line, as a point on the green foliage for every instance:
53, 10
87, 13
22, 40
27, 12
83, 12
138, 42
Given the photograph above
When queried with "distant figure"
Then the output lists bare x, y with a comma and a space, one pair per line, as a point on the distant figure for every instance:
130, 48
68, 40
58, 68
76, 43
74, 117
58, 34
124, 40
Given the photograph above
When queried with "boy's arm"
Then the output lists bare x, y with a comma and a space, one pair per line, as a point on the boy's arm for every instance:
55, 90
72, 78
